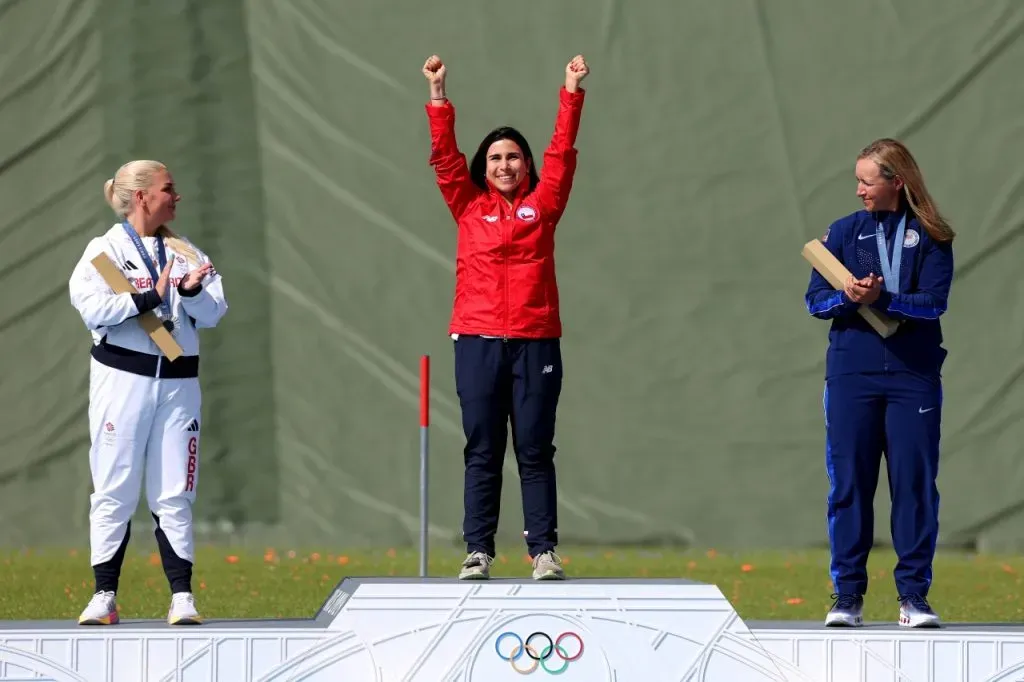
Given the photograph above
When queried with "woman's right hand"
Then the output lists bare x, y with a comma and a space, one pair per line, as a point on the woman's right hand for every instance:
165, 278
864, 290
435, 71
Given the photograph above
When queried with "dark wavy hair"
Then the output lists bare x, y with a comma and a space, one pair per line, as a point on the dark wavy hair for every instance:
478, 167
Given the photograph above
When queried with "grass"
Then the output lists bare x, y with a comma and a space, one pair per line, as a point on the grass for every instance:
273, 583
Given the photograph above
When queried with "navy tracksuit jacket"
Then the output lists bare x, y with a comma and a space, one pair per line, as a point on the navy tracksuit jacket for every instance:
502, 381
883, 395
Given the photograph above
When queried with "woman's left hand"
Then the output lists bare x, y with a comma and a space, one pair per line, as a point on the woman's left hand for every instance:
195, 277
575, 72
864, 290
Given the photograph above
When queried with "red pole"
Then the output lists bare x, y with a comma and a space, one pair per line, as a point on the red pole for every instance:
425, 391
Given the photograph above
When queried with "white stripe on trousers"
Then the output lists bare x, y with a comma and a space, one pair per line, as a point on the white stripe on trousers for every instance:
138, 424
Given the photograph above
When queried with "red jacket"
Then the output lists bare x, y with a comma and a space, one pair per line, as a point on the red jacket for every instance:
505, 261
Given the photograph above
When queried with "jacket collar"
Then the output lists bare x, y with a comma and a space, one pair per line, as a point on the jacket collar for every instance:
892, 218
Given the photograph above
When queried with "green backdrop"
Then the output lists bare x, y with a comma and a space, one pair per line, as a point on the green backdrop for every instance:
716, 139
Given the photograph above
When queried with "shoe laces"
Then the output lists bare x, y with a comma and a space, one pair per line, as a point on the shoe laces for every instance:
915, 600
477, 559
102, 596
547, 556
183, 599
845, 601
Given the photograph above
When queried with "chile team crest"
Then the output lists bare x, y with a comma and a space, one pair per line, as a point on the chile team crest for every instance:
527, 213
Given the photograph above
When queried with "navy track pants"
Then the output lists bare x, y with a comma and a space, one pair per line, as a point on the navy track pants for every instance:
499, 381
865, 415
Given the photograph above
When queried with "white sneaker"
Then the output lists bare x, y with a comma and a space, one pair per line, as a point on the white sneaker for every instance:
847, 611
477, 566
915, 612
101, 610
547, 566
183, 610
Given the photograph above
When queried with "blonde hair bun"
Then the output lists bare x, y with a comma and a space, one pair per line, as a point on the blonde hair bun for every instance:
108, 192
132, 176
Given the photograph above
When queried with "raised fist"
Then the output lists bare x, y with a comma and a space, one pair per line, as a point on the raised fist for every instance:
577, 69
434, 70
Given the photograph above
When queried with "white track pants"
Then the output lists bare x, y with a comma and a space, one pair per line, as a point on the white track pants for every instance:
141, 424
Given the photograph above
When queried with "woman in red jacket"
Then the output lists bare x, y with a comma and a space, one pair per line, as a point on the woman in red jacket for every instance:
505, 322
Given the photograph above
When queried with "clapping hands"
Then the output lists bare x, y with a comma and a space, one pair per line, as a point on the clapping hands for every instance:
195, 277
864, 290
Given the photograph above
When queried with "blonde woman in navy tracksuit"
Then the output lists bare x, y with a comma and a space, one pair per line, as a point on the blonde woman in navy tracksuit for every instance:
885, 395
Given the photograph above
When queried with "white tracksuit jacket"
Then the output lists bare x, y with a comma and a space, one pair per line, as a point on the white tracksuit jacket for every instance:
113, 316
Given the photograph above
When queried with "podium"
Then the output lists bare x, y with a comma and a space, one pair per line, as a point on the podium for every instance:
444, 630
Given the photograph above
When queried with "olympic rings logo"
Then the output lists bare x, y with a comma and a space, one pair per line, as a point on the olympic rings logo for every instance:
539, 659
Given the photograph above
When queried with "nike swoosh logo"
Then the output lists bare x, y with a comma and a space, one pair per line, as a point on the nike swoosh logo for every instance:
866, 236
921, 410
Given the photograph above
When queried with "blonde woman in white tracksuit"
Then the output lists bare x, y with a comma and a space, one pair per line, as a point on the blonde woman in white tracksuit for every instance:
144, 410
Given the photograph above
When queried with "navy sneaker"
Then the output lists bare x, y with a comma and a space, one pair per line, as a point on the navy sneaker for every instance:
915, 612
847, 611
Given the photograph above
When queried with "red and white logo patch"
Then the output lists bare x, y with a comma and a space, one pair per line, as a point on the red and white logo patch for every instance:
527, 213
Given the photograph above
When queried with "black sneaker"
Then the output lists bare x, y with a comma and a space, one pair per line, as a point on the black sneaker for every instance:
915, 612
847, 611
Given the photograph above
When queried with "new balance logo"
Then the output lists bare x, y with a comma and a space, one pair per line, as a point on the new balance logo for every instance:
193, 425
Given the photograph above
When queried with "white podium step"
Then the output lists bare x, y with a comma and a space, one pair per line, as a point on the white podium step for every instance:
443, 630
958, 652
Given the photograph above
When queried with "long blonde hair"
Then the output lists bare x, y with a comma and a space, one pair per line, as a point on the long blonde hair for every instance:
894, 159
133, 176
